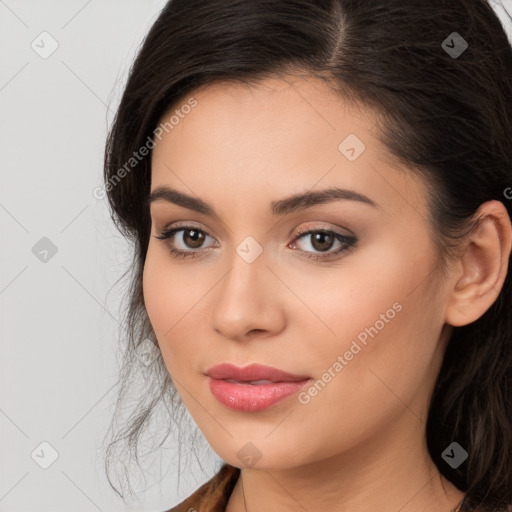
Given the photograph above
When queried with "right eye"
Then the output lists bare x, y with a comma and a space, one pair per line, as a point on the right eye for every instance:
192, 238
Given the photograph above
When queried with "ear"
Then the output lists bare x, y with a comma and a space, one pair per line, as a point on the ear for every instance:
480, 270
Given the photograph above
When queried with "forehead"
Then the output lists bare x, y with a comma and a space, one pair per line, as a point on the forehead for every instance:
278, 135
290, 101
252, 124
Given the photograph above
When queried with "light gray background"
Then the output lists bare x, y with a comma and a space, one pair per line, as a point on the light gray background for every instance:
60, 317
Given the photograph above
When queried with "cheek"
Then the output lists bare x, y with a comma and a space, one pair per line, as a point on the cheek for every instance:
386, 323
155, 291
368, 295
162, 299
174, 298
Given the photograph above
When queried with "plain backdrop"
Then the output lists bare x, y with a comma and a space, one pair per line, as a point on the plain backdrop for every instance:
63, 64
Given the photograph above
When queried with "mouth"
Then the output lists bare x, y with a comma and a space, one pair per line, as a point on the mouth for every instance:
254, 373
252, 388
251, 382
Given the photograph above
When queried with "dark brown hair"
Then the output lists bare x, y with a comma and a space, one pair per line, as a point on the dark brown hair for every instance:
447, 117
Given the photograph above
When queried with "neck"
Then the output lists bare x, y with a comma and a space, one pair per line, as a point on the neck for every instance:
390, 472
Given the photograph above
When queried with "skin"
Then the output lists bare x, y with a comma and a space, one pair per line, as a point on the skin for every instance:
359, 444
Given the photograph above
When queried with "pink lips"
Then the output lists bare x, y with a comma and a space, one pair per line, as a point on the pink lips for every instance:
242, 395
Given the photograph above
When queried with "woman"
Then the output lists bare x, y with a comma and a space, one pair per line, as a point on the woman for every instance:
319, 199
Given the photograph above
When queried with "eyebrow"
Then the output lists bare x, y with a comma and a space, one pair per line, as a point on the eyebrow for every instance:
281, 207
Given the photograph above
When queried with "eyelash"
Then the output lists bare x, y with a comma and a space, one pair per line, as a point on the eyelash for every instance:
347, 241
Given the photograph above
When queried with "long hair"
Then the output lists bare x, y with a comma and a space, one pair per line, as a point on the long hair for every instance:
445, 107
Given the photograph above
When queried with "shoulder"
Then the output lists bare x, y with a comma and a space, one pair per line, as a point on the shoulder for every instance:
215, 492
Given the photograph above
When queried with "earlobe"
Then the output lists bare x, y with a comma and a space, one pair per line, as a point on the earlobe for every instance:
482, 266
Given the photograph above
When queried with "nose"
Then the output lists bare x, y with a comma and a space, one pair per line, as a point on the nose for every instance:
248, 301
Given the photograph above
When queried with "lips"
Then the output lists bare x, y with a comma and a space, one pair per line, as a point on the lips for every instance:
252, 374
252, 388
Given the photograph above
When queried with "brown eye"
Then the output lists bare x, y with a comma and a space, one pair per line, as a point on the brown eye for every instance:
184, 241
190, 242
193, 238
322, 241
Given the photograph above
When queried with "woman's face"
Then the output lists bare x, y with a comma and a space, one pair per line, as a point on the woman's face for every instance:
359, 309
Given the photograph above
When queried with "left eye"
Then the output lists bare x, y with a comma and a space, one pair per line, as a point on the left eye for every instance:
322, 240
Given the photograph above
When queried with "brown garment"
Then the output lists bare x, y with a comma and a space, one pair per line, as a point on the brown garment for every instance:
212, 496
